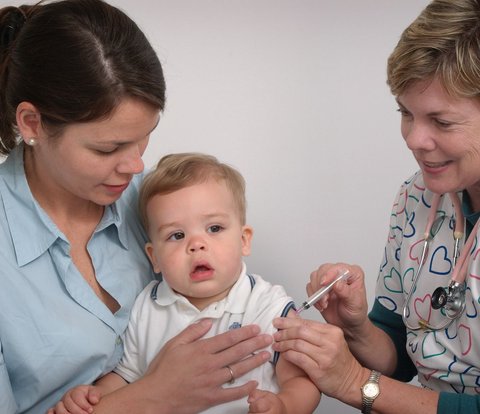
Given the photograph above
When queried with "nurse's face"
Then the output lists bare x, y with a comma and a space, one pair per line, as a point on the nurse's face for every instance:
95, 161
443, 134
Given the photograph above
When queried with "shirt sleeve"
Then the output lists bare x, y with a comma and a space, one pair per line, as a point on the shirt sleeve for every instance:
451, 403
391, 323
7, 400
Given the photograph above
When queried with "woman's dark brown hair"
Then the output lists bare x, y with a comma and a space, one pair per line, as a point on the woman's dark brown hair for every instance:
74, 60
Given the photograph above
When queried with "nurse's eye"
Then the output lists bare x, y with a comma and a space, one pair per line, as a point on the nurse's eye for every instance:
404, 113
178, 235
215, 228
442, 123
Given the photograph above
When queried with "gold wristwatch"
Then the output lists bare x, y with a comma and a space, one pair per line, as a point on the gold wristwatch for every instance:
370, 391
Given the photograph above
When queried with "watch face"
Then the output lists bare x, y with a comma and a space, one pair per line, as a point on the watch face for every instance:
371, 390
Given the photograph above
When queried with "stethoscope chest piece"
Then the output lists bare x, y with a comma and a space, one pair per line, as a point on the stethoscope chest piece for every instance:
439, 298
451, 299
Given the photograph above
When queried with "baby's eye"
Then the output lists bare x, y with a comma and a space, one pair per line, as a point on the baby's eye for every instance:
178, 235
215, 228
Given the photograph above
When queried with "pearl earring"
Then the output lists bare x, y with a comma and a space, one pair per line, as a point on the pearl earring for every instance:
32, 142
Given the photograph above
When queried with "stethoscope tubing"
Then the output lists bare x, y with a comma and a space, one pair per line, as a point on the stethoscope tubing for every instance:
460, 265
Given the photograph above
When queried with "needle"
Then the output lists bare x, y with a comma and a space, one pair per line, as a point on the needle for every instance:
322, 291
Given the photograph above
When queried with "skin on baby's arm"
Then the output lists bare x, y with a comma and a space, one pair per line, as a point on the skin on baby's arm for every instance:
298, 394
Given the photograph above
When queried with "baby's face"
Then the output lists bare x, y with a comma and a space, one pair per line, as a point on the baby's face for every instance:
198, 241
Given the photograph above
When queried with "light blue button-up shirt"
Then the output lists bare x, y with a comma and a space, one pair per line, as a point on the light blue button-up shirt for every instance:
55, 332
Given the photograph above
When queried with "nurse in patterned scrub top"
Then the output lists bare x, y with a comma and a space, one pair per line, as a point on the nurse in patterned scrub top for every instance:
366, 360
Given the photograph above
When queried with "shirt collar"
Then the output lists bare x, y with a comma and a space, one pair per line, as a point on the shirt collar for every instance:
24, 217
32, 230
112, 217
235, 302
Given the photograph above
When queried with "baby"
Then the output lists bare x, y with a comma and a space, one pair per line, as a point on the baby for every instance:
194, 210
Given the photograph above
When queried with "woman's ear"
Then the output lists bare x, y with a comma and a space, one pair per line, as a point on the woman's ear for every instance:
247, 234
29, 122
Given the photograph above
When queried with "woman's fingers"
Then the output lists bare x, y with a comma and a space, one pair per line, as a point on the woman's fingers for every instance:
232, 345
244, 340
192, 332
223, 375
240, 368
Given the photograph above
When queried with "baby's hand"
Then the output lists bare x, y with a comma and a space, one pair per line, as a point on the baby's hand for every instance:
78, 400
265, 402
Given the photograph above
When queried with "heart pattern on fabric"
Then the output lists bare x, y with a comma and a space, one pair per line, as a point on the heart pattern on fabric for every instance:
431, 347
412, 342
393, 281
402, 202
470, 308
409, 230
463, 335
423, 308
384, 260
408, 276
440, 264
416, 250
387, 303
426, 372
475, 275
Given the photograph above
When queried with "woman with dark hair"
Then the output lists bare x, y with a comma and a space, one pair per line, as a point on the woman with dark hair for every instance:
81, 90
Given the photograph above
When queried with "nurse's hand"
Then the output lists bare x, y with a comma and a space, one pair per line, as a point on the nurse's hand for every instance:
346, 304
321, 351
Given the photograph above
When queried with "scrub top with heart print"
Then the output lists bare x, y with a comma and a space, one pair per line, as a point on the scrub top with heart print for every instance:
447, 359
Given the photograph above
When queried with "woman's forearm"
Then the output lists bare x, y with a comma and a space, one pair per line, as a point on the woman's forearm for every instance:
134, 398
395, 397
372, 347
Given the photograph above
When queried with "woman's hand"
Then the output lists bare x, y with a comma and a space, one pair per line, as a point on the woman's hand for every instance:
321, 351
192, 371
346, 304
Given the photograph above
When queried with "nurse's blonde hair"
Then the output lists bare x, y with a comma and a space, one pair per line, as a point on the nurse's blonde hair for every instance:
443, 42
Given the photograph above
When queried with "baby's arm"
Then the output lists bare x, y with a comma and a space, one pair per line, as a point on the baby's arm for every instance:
81, 399
297, 395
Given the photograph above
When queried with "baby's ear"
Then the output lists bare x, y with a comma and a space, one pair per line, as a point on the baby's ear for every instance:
247, 234
151, 255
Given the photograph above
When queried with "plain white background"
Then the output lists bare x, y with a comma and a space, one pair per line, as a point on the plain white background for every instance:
293, 94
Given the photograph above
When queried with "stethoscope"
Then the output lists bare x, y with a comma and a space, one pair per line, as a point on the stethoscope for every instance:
452, 298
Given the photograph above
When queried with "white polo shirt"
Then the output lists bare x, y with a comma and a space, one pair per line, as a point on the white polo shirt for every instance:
159, 314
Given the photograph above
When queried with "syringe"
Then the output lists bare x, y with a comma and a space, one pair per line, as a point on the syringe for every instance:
322, 291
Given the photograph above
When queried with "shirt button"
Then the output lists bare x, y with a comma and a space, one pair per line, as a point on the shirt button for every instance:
118, 341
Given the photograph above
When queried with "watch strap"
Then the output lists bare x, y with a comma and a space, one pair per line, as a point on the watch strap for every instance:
367, 401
